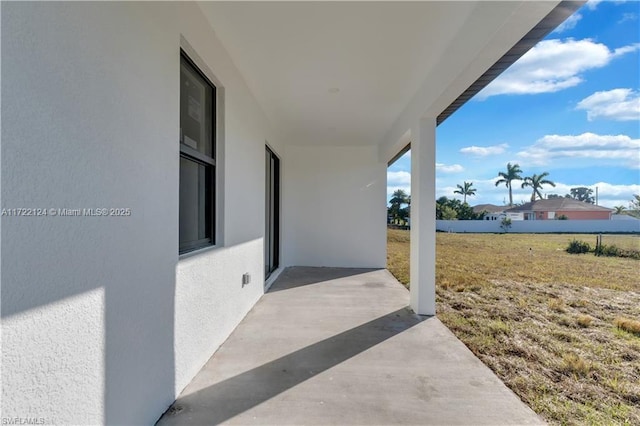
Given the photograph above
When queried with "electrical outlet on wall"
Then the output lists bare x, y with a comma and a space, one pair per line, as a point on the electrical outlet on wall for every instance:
246, 279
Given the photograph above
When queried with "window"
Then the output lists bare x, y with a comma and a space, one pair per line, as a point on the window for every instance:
197, 158
272, 213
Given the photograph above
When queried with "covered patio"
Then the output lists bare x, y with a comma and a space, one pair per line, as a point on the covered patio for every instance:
341, 346
230, 143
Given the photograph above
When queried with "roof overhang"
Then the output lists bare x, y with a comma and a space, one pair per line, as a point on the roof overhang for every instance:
355, 73
554, 18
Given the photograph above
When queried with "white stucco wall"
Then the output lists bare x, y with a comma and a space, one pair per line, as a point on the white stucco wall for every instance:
334, 207
101, 321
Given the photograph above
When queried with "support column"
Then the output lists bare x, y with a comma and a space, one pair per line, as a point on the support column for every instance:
423, 217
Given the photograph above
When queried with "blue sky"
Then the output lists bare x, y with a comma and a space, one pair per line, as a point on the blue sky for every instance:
570, 107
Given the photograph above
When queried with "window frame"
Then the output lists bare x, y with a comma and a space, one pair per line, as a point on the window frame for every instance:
273, 212
209, 162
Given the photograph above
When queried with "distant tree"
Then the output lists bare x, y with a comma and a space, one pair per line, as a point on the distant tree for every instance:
582, 193
440, 212
465, 212
398, 198
513, 173
633, 213
464, 190
403, 214
446, 213
451, 208
535, 182
634, 207
619, 209
505, 224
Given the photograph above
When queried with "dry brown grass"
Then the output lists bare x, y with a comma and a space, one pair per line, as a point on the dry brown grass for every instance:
397, 253
572, 363
627, 324
626, 242
584, 320
542, 319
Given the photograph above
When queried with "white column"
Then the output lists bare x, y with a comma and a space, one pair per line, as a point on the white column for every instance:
423, 217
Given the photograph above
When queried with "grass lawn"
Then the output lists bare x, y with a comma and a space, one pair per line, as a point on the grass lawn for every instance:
550, 324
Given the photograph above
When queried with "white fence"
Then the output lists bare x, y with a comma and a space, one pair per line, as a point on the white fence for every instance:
542, 226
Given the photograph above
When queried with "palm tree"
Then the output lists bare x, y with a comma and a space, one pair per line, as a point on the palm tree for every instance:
513, 173
619, 209
398, 198
465, 190
536, 182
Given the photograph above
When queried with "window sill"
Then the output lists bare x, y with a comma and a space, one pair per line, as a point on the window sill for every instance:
198, 251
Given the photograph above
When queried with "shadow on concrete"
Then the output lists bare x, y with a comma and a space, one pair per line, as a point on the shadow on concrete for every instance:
306, 275
240, 393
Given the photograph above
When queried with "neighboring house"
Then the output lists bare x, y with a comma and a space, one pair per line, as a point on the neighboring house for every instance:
493, 212
496, 212
162, 162
556, 208
514, 215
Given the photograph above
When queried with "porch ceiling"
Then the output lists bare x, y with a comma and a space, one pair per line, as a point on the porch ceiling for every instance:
382, 57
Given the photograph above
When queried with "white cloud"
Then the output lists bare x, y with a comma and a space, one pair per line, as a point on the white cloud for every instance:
609, 195
483, 151
593, 4
569, 24
621, 148
608, 190
451, 168
616, 104
400, 178
626, 49
628, 17
553, 65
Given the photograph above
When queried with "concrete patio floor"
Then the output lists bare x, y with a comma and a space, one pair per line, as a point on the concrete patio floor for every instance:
329, 346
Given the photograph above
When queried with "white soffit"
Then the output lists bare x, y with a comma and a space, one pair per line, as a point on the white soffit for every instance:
341, 73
